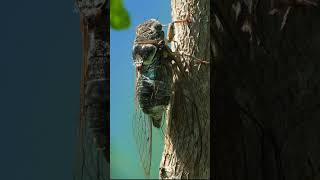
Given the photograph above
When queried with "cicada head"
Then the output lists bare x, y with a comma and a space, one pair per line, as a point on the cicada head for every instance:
149, 30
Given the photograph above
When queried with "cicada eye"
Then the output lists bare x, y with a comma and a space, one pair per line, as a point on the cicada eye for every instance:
156, 25
144, 53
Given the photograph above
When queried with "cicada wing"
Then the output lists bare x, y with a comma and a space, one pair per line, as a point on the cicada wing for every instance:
142, 130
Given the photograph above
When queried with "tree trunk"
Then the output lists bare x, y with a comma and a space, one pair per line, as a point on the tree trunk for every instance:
187, 144
266, 91
93, 146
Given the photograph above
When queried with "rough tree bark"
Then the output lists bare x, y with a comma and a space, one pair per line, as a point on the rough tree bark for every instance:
93, 146
266, 91
187, 144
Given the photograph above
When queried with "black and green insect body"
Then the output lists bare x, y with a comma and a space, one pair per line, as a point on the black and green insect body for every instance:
153, 85
154, 73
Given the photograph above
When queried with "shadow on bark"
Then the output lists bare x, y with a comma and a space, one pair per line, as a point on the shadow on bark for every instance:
266, 92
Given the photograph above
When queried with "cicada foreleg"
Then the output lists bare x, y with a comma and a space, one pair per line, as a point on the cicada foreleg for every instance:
170, 32
172, 56
175, 55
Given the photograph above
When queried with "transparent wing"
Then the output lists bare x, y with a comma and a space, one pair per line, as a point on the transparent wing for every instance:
142, 130
143, 136
163, 127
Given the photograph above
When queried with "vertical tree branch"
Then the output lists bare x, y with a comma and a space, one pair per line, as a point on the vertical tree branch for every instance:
187, 142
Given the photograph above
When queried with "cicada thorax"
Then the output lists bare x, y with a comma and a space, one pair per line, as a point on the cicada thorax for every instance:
153, 88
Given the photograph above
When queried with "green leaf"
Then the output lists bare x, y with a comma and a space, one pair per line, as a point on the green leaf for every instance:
119, 16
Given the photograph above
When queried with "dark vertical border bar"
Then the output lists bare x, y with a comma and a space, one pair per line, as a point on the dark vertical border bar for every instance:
93, 157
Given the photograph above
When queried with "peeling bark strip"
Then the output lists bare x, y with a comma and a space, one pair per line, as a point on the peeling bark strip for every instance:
93, 147
187, 144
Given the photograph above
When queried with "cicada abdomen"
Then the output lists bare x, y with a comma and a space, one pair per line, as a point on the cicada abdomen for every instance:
153, 85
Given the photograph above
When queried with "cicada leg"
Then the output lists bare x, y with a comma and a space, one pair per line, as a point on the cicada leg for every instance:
176, 57
170, 32
173, 56
176, 54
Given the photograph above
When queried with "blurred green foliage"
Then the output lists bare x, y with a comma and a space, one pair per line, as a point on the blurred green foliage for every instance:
119, 16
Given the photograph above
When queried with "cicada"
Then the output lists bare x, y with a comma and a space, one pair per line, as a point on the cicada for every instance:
93, 154
153, 60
